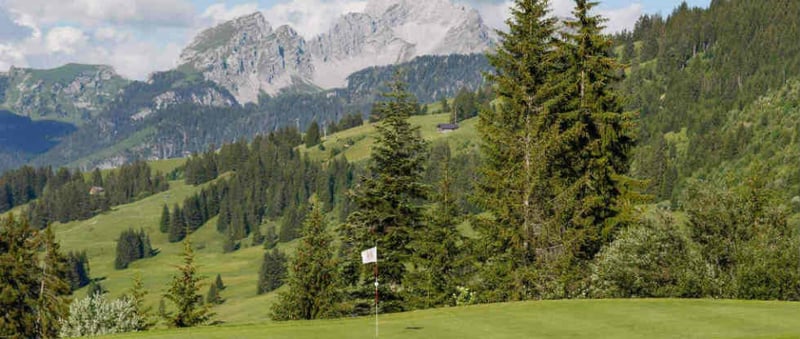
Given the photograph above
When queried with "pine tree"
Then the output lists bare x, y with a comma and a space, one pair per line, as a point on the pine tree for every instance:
219, 283
53, 288
437, 260
273, 271
313, 283
445, 106
164, 224
513, 184
213, 296
137, 295
177, 226
184, 293
593, 140
312, 137
388, 202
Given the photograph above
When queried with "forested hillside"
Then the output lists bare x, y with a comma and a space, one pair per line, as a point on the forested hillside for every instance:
177, 113
696, 78
657, 163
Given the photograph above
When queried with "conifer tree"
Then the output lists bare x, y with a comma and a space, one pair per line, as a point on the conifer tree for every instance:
53, 288
213, 296
593, 140
184, 293
312, 137
388, 201
137, 295
438, 261
177, 225
513, 184
164, 224
273, 271
219, 283
313, 282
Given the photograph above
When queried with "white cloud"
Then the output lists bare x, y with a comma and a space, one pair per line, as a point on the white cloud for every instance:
312, 17
136, 59
218, 13
10, 56
622, 18
111, 34
65, 40
96, 12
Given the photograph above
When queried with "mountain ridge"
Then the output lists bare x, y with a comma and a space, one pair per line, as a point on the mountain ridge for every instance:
248, 57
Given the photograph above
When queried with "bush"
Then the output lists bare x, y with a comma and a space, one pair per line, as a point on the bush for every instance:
656, 258
768, 268
95, 315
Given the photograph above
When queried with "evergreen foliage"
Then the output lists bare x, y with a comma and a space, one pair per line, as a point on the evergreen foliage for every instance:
33, 288
273, 271
164, 223
78, 270
132, 246
313, 283
137, 295
184, 294
347, 122
388, 202
213, 296
312, 137
513, 186
439, 265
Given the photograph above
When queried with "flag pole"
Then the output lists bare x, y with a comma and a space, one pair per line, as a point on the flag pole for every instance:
376, 290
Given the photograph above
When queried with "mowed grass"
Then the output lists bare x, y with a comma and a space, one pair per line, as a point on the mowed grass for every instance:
635, 318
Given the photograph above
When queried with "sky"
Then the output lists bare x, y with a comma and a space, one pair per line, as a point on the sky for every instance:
138, 37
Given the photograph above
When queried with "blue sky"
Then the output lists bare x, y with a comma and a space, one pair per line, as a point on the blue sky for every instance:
138, 37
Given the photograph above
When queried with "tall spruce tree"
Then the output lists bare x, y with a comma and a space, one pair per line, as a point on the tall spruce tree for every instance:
32, 291
591, 145
438, 261
313, 283
53, 287
312, 137
273, 271
513, 187
184, 293
164, 223
388, 201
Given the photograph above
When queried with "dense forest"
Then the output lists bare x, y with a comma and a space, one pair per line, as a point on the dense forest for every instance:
655, 163
696, 78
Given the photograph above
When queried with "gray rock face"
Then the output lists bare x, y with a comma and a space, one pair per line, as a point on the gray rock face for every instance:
71, 93
248, 57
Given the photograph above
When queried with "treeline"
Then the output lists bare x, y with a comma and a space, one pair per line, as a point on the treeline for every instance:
69, 196
196, 211
692, 73
272, 180
132, 246
347, 122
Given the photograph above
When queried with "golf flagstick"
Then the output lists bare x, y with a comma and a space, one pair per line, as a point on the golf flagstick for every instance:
371, 256
376, 293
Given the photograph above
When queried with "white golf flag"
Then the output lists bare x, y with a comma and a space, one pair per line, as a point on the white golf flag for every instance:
370, 255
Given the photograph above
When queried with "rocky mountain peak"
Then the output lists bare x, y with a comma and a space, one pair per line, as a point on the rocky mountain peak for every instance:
248, 57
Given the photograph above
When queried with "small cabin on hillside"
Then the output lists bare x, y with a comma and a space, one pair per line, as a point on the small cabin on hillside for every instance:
95, 190
446, 128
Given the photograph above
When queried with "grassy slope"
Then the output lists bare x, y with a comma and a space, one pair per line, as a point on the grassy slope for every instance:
543, 319
355, 143
239, 270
